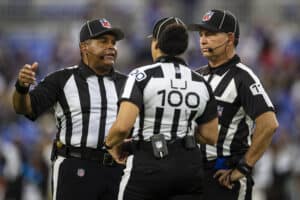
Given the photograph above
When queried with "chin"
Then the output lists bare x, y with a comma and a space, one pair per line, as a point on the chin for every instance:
206, 54
107, 65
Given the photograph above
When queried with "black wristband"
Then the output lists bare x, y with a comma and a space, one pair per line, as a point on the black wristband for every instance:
106, 146
21, 89
244, 168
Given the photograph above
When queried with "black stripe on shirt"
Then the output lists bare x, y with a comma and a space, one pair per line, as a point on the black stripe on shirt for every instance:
177, 71
191, 117
175, 123
240, 142
158, 117
103, 112
65, 107
141, 123
84, 98
221, 139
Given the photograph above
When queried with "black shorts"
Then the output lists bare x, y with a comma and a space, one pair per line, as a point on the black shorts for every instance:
148, 178
75, 179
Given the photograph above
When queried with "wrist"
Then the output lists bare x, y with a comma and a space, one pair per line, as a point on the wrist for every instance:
20, 88
244, 168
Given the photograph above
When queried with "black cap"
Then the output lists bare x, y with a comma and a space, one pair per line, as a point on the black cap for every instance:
218, 21
161, 24
97, 27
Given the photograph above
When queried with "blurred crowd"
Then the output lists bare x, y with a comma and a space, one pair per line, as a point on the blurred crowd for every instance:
47, 32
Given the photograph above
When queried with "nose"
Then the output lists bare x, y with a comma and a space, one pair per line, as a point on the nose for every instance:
111, 44
203, 39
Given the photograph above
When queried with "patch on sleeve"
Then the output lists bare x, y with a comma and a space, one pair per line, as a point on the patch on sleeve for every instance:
256, 89
139, 75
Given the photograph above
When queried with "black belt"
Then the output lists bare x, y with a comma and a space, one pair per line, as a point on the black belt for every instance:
83, 153
141, 144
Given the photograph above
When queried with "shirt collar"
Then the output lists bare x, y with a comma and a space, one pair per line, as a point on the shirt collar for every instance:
221, 69
86, 71
171, 59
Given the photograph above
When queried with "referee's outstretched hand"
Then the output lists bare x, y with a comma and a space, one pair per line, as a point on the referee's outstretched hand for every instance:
27, 74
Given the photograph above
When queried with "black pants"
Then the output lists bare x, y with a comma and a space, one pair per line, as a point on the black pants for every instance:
177, 176
75, 179
212, 190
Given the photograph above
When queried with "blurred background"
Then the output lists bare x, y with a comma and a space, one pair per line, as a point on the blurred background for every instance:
47, 31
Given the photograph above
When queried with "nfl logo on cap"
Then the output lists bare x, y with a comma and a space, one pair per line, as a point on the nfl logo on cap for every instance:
105, 23
207, 16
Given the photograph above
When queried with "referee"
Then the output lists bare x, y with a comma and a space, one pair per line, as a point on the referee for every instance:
247, 120
164, 100
84, 98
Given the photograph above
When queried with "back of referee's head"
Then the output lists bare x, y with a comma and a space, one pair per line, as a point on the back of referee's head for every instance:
170, 35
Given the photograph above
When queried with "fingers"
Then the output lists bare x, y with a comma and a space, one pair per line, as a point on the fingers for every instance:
34, 66
118, 156
219, 173
27, 75
224, 178
121, 161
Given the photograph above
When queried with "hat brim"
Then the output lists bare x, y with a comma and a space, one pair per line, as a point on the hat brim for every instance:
198, 27
118, 33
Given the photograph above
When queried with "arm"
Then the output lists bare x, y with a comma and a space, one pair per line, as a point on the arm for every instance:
22, 103
120, 129
21, 99
207, 133
259, 107
266, 125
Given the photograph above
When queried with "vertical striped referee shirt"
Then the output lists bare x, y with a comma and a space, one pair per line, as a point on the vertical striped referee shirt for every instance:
85, 104
171, 99
240, 99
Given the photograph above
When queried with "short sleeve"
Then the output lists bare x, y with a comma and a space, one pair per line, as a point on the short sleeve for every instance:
132, 90
210, 111
253, 96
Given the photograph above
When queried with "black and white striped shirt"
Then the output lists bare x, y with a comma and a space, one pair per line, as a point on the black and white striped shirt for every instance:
171, 98
240, 99
84, 103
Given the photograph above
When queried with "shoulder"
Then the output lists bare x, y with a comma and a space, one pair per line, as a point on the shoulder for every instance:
146, 68
120, 75
147, 71
246, 74
197, 77
61, 73
203, 70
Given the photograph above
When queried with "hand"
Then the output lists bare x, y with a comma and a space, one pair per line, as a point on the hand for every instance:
236, 175
227, 177
118, 155
223, 176
26, 75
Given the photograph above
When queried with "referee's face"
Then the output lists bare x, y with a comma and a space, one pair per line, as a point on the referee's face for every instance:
101, 52
212, 43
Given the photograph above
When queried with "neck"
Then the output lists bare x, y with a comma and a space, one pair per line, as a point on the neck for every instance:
99, 70
157, 54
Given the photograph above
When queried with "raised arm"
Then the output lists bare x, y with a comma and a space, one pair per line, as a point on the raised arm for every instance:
21, 99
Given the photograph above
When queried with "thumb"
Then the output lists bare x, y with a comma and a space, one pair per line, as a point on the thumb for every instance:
34, 66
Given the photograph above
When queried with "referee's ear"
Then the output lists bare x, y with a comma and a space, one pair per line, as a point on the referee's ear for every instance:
82, 46
155, 41
231, 38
